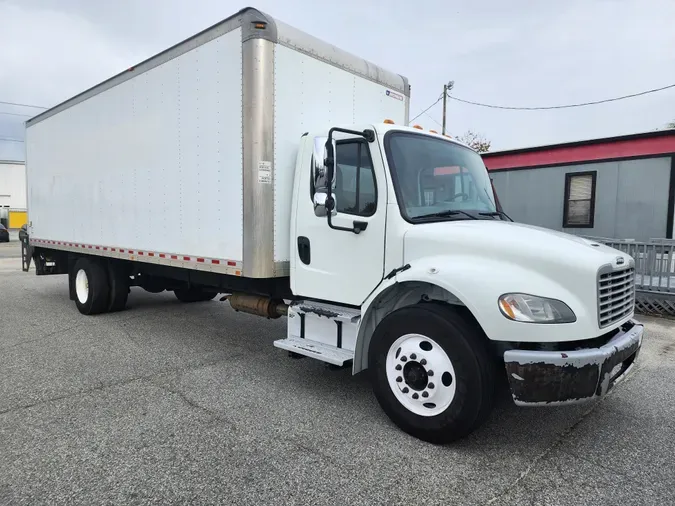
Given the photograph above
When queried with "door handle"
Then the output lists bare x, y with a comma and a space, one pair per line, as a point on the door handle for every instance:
360, 226
304, 251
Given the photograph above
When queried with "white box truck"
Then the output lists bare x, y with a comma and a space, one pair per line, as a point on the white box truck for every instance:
255, 161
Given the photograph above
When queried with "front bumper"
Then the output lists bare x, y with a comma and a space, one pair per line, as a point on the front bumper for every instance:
562, 377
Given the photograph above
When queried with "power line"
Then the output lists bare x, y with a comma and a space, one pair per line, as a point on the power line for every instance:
23, 105
433, 119
492, 106
425, 110
17, 114
10, 139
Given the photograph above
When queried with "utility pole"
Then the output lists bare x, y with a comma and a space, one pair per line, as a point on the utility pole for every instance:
446, 89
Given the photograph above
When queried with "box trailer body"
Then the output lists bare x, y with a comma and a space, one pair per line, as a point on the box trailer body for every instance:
256, 161
191, 154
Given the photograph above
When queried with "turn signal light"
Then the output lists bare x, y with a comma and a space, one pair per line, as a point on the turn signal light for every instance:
506, 307
418, 127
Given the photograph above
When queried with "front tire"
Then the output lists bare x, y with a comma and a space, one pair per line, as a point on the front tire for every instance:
91, 286
431, 372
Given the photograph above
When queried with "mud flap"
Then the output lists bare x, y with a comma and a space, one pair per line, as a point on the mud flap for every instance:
26, 254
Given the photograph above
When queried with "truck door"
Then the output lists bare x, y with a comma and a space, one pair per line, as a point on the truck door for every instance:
336, 265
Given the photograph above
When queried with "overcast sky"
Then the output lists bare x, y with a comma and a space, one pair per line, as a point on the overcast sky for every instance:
514, 53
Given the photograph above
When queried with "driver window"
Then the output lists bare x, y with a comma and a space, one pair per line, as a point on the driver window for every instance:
355, 189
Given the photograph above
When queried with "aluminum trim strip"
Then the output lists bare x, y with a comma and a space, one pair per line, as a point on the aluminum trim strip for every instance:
194, 262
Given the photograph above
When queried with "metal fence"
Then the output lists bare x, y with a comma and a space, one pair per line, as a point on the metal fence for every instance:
654, 272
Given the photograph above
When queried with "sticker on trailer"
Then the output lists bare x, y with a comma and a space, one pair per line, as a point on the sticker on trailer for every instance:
265, 172
395, 95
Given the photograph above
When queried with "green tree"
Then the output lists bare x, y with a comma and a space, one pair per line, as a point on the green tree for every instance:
475, 140
671, 124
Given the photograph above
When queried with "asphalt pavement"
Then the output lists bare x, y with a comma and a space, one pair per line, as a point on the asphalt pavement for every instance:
10, 249
170, 403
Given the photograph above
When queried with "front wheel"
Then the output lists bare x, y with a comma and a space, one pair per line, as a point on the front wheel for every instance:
431, 372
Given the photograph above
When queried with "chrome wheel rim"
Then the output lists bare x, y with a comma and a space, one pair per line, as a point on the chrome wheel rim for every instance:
420, 374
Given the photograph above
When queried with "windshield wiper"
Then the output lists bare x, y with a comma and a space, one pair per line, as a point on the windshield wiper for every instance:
497, 213
449, 212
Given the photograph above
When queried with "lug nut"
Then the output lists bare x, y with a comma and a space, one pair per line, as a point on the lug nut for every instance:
399, 379
404, 358
423, 361
398, 367
415, 396
405, 390
413, 356
425, 394
430, 385
430, 373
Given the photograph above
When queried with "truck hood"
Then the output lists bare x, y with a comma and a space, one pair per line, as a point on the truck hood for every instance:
521, 244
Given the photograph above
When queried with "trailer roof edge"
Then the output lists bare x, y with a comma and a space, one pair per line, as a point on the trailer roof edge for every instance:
274, 31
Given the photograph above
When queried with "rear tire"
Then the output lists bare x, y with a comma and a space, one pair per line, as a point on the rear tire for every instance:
194, 295
431, 372
91, 286
119, 287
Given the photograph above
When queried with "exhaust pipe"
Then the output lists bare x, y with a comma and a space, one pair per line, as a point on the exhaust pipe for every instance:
257, 305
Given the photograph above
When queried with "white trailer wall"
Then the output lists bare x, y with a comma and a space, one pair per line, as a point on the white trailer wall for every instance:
152, 163
310, 96
168, 160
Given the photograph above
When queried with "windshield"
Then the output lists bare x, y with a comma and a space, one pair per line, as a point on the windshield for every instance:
434, 176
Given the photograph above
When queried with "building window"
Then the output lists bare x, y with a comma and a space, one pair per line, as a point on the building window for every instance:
579, 209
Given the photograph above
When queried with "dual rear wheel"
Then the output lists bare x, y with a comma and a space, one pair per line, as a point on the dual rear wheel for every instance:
98, 288
101, 286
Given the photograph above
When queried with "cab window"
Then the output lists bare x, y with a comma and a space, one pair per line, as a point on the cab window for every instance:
355, 187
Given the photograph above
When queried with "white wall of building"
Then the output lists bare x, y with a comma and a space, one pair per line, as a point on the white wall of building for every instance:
13, 185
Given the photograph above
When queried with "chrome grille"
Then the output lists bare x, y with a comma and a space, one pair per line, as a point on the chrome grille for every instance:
616, 295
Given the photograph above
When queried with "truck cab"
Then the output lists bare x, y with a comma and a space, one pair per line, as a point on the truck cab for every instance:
402, 263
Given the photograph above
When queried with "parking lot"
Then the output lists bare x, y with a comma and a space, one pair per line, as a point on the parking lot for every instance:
173, 403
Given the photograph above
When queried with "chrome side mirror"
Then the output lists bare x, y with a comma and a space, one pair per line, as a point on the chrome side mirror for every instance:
322, 204
321, 172
319, 162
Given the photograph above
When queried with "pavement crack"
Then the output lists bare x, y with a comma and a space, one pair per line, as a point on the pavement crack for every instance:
127, 334
559, 440
36, 339
73, 327
612, 470
312, 451
104, 386
195, 405
100, 387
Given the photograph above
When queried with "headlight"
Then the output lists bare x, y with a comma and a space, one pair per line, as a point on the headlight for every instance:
521, 307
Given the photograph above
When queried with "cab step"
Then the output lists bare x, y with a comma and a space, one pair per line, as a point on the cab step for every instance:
320, 351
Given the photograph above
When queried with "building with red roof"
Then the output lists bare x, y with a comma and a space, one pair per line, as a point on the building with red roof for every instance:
616, 187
